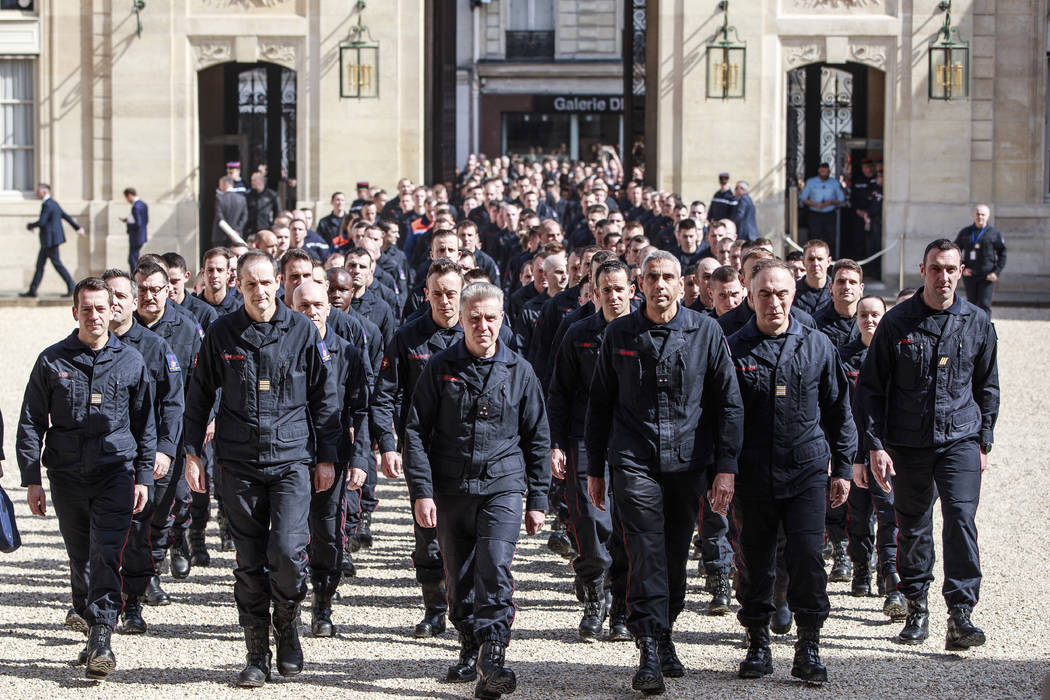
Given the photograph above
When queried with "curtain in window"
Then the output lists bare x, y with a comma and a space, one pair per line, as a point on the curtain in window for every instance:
16, 124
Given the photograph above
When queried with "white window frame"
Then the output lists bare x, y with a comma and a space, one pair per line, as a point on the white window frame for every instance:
32, 147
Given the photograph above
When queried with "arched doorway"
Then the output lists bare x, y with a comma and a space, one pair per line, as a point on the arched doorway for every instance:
247, 113
836, 115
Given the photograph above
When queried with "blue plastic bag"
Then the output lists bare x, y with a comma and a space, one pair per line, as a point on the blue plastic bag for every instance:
10, 540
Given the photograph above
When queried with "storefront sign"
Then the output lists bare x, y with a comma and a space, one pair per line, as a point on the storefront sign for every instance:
600, 104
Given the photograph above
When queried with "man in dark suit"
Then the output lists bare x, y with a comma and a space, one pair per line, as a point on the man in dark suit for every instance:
744, 214
51, 236
136, 224
231, 214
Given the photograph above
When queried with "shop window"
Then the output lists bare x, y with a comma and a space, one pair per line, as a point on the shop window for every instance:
536, 134
17, 129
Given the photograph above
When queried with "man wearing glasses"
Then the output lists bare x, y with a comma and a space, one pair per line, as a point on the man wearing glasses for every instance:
180, 330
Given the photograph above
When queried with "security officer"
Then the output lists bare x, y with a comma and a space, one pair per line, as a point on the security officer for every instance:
592, 529
408, 353
181, 331
929, 389
278, 417
165, 375
476, 442
665, 415
984, 257
796, 406
865, 499
836, 320
327, 506
89, 405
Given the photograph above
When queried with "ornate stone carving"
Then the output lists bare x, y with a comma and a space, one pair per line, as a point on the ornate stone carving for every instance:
869, 54
281, 51
208, 52
800, 54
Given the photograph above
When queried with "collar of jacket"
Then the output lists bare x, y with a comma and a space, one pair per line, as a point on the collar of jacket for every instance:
917, 307
72, 343
750, 330
502, 355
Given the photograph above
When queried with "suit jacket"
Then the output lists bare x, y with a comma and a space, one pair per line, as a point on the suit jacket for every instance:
137, 228
229, 207
50, 224
744, 218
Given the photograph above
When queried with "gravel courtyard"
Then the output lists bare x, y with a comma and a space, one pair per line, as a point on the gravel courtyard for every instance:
194, 647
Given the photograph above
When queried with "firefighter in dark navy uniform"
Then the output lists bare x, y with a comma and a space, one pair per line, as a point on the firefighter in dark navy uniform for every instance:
278, 420
929, 389
665, 415
796, 418
87, 417
476, 443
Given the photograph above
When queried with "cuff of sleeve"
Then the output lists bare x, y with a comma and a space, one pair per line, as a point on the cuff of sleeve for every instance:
31, 476
725, 465
986, 437
167, 447
842, 470
419, 491
144, 476
536, 501
596, 466
387, 443
327, 453
873, 443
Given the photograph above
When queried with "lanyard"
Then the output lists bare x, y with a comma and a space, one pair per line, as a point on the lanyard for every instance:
975, 241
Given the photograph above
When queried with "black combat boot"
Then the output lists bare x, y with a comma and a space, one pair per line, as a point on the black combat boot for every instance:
759, 659
180, 555
493, 678
720, 598
321, 611
347, 566
670, 665
807, 664
435, 600
131, 617
917, 624
962, 633
781, 622
648, 679
155, 595
364, 530
257, 669
286, 638
861, 580
100, 659
465, 670
225, 538
560, 544
840, 563
76, 622
618, 631
198, 549
895, 606
594, 610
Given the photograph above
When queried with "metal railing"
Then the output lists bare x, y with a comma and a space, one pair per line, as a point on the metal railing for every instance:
899, 244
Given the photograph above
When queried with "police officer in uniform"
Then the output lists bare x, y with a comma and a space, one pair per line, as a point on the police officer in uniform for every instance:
665, 415
87, 416
476, 442
327, 506
929, 389
984, 257
165, 374
597, 540
796, 407
865, 497
278, 421
408, 353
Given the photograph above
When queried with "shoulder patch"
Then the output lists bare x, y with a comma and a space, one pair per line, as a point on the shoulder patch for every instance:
173, 362
385, 364
323, 350
200, 331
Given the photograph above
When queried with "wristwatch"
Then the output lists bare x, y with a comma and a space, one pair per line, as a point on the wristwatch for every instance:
986, 447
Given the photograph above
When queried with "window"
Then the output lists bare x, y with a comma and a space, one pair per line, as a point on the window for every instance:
530, 30
531, 15
16, 124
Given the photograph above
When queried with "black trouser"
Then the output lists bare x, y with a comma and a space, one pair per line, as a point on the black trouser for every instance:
716, 531
835, 520
822, 226
327, 516
979, 292
865, 505
42, 257
556, 497
426, 554
268, 510
199, 502
137, 567
758, 521
478, 536
955, 470
362, 500
94, 516
589, 527
166, 508
658, 514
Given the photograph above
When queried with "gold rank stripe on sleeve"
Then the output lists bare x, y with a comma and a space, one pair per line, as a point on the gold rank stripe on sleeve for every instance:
264, 385
782, 390
96, 399
943, 362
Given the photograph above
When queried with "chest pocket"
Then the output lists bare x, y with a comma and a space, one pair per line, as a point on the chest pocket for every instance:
806, 379
491, 405
234, 379
910, 366
293, 382
70, 396
628, 365
454, 403
115, 398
